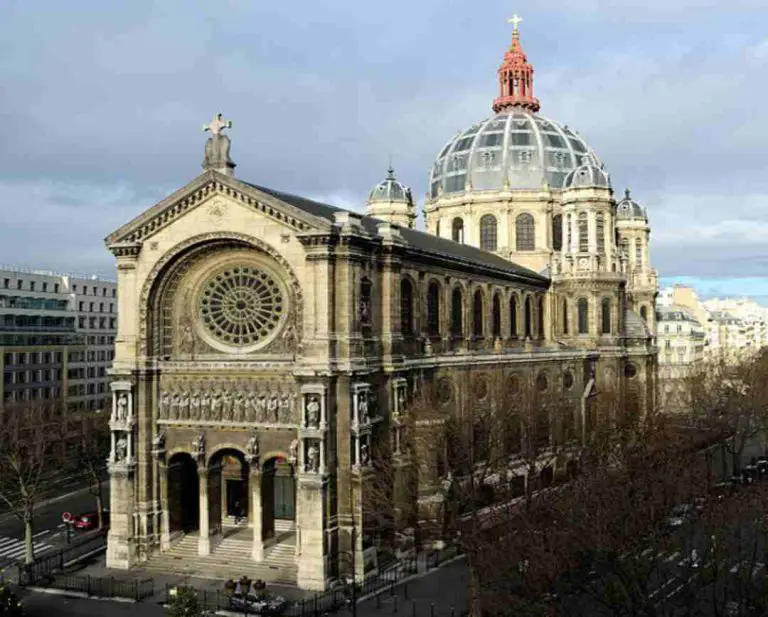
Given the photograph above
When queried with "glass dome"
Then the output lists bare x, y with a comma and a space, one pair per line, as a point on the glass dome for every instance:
587, 175
515, 149
390, 190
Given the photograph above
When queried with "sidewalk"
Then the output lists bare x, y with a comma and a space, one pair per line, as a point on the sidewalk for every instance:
442, 592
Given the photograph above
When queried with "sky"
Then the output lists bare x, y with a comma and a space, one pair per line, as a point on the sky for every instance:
102, 106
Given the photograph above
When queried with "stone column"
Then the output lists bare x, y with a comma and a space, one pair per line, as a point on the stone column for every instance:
310, 518
165, 523
254, 484
204, 543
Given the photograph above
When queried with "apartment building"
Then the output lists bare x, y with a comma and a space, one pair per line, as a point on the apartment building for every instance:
57, 335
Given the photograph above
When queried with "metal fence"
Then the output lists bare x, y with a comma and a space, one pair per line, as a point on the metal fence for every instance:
44, 567
104, 587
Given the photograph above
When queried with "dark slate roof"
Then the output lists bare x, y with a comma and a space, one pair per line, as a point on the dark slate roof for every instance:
418, 240
635, 326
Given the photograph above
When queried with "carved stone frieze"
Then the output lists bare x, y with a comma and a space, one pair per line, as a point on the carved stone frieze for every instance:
228, 402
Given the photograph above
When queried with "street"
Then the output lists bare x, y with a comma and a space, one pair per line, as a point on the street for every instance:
49, 532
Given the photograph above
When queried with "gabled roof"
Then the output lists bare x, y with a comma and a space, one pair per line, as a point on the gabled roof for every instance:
416, 240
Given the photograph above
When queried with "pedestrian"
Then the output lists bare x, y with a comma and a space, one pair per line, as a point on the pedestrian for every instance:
236, 509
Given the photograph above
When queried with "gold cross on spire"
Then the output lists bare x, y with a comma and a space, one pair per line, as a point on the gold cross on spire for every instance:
515, 21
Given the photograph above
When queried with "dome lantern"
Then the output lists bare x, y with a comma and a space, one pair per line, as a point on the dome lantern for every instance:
392, 201
516, 77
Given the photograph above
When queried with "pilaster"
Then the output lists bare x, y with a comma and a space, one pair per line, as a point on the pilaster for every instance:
204, 541
254, 483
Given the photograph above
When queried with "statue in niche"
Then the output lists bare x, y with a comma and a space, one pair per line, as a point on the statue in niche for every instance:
294, 450
313, 411
250, 406
216, 405
122, 406
401, 400
285, 413
290, 339
226, 405
261, 408
365, 457
164, 406
365, 311
121, 449
184, 405
187, 343
205, 405
272, 407
313, 458
252, 449
362, 407
194, 406
198, 445
175, 403
238, 412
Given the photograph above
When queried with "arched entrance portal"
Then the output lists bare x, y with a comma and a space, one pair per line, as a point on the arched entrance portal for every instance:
183, 493
229, 488
278, 496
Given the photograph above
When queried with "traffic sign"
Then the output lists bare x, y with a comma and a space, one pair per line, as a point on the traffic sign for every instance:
66, 517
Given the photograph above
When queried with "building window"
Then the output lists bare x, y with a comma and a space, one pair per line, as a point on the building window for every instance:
528, 318
488, 241
565, 315
6, 283
477, 314
433, 309
101, 307
583, 308
644, 313
540, 317
18, 284
557, 232
95, 291
513, 316
496, 316
568, 233
457, 230
45, 286
625, 248
600, 233
366, 291
82, 306
525, 232
457, 313
583, 233
406, 307
437, 228
638, 253
605, 316
74, 288
114, 293
55, 288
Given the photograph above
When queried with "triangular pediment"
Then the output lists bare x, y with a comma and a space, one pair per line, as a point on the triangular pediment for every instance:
200, 190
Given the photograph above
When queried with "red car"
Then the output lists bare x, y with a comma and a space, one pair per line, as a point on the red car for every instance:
90, 520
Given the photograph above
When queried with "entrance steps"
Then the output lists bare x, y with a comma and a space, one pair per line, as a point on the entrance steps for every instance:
230, 558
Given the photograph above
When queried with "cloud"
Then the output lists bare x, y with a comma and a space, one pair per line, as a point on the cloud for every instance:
102, 106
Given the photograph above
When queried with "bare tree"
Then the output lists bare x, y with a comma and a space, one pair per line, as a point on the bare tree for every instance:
31, 451
92, 451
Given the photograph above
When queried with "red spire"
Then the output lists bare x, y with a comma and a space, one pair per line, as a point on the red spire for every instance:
516, 77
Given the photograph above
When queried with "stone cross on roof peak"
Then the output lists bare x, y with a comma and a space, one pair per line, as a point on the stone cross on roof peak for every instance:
515, 21
217, 125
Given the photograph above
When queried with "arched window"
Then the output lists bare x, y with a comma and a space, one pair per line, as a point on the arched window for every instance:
433, 309
557, 232
477, 314
457, 313
496, 316
605, 316
437, 228
366, 292
625, 248
568, 224
638, 253
528, 318
488, 232
540, 317
583, 307
644, 313
513, 316
600, 227
583, 233
565, 315
457, 230
406, 307
525, 232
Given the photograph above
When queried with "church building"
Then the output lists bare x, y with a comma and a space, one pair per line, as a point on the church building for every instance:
269, 344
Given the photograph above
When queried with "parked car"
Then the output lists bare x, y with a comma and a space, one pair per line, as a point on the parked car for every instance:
255, 605
90, 520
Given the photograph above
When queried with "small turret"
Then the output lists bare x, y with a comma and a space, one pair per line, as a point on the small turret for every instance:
392, 201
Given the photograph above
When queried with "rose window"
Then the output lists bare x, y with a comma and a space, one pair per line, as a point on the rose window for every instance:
241, 306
